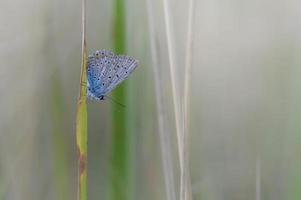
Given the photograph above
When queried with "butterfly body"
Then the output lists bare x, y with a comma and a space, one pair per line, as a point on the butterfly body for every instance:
105, 71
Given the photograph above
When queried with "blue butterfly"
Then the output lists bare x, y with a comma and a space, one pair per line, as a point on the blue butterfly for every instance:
105, 71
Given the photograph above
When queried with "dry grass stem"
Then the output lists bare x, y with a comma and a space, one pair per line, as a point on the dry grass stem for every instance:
175, 89
186, 190
164, 134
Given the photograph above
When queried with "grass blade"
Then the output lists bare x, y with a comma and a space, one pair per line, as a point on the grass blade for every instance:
59, 142
172, 69
120, 184
164, 134
175, 96
185, 176
81, 115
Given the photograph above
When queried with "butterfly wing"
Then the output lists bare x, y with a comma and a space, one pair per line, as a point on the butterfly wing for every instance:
97, 64
106, 71
92, 72
121, 67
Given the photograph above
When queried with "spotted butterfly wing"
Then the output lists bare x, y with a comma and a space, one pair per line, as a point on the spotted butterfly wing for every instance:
105, 71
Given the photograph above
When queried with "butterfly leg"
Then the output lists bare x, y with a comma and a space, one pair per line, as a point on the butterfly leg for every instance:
115, 101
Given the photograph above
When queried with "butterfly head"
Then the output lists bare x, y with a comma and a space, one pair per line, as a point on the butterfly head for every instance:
93, 96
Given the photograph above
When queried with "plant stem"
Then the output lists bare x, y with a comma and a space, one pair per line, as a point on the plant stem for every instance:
81, 115
120, 138
164, 133
185, 176
175, 89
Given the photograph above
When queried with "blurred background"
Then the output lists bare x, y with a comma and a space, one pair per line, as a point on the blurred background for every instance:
245, 140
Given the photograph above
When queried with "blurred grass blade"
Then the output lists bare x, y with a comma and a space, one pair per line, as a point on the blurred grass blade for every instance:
172, 70
164, 133
81, 115
175, 95
120, 184
59, 141
185, 176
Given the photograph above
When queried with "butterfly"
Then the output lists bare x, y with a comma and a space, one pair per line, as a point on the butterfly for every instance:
105, 71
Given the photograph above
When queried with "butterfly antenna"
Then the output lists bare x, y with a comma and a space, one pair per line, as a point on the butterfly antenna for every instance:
118, 103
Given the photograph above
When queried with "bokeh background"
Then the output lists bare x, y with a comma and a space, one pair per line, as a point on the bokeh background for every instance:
245, 140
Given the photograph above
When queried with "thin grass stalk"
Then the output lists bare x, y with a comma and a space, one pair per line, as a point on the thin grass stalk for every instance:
120, 183
81, 115
164, 134
172, 70
186, 190
175, 96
